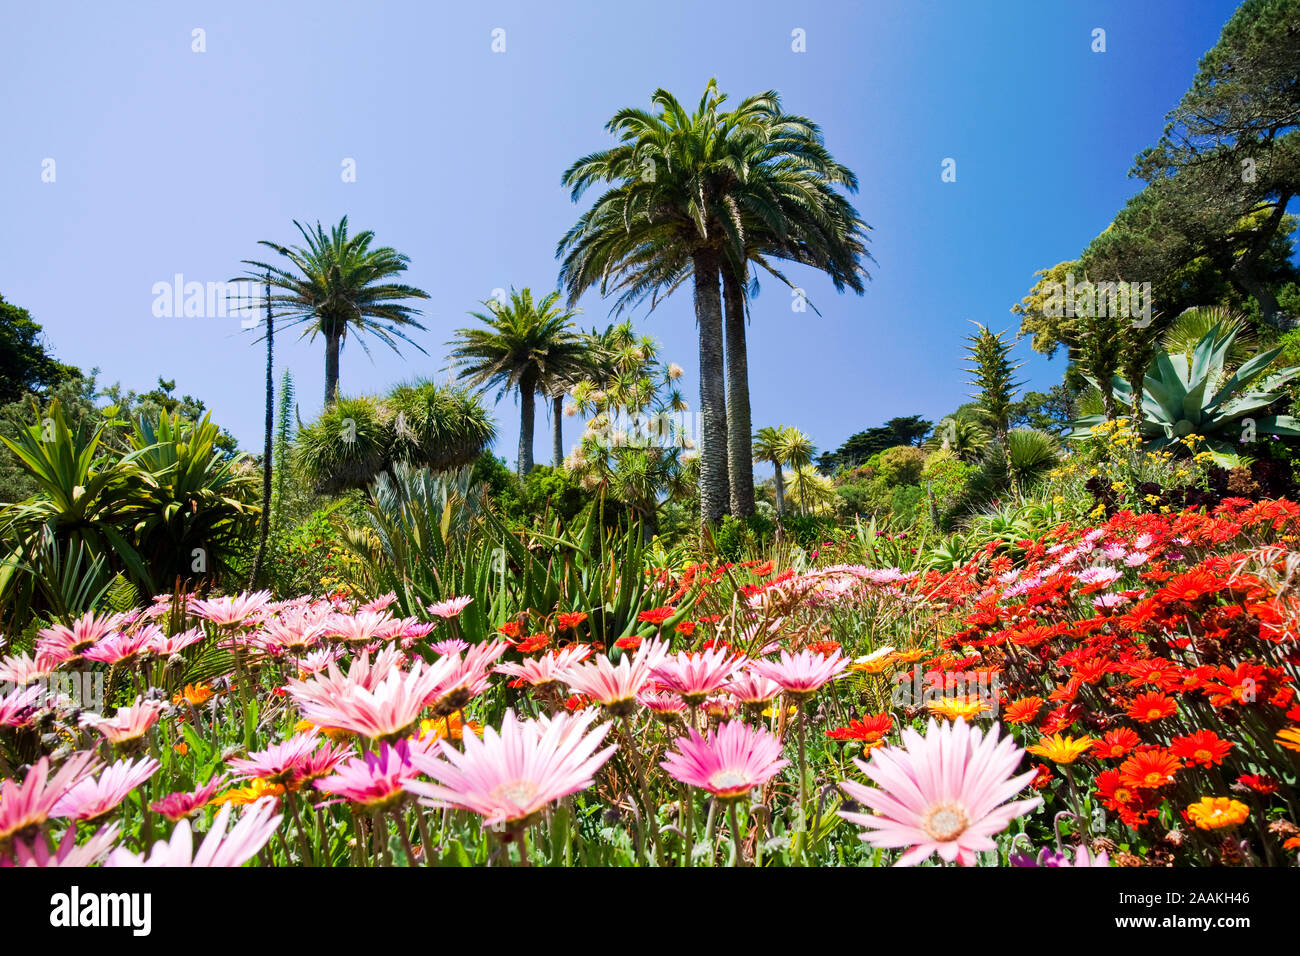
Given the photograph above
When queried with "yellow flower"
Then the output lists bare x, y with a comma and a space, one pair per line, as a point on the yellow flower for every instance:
875, 662
1059, 749
438, 727
954, 707
333, 733
256, 790
1214, 813
789, 711
1289, 737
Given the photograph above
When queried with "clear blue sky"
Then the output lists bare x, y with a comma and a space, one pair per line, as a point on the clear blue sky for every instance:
170, 161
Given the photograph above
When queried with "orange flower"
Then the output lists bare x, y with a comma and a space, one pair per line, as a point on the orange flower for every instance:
868, 729
181, 748
511, 629
656, 615
568, 621
1204, 747
1289, 737
1023, 711
1215, 813
1060, 749
910, 657
534, 642
1151, 706
196, 695
629, 643
685, 628
1042, 778
1149, 768
1116, 743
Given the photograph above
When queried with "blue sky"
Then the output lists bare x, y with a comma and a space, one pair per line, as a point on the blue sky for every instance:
170, 161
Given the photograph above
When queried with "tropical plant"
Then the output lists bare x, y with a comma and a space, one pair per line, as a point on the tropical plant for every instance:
355, 439
337, 284
965, 438
524, 346
1195, 395
769, 447
699, 196
194, 504
635, 443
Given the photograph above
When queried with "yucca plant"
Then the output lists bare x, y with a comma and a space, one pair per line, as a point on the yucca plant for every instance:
1195, 395
198, 503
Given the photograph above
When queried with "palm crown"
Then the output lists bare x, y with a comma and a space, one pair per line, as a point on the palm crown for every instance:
522, 345
337, 283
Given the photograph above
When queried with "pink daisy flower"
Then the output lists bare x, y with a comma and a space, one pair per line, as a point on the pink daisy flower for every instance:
510, 777
450, 608
943, 793
17, 706
129, 723
178, 806
729, 762
165, 646
663, 705
120, 648
696, 676
22, 669
385, 712
547, 669
801, 674
616, 687
374, 780
67, 853
25, 806
232, 611
60, 644
91, 798
279, 763
379, 603
452, 645
360, 628
468, 678
255, 827
752, 688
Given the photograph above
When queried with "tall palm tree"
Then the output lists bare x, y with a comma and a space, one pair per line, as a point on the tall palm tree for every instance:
525, 346
337, 283
722, 189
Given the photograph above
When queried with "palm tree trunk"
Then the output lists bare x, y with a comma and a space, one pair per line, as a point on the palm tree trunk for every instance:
265, 521
780, 491
740, 458
527, 402
714, 486
333, 343
557, 423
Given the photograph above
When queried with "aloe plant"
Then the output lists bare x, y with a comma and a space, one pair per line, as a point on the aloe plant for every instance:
1196, 395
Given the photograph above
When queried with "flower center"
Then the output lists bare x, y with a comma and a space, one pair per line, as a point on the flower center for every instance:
1203, 755
729, 780
517, 794
944, 822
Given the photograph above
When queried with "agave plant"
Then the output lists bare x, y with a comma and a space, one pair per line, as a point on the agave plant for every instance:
1195, 395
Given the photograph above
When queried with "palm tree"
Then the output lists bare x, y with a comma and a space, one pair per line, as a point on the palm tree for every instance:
768, 448
699, 197
797, 451
336, 283
522, 345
